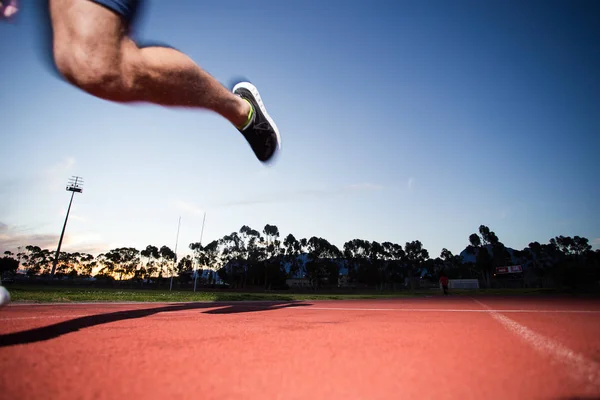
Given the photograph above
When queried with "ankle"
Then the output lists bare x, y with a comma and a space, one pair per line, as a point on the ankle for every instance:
246, 114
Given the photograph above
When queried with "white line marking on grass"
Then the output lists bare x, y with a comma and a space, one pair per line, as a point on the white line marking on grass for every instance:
579, 366
450, 310
152, 303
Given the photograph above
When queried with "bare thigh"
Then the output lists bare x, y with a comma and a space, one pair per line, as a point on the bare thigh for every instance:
85, 33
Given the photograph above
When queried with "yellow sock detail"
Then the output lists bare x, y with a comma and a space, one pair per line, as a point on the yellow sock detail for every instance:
250, 115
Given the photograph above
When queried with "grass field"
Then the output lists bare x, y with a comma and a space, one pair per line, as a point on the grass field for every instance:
53, 294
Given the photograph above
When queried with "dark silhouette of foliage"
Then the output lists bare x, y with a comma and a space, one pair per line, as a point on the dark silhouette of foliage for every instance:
261, 259
8, 264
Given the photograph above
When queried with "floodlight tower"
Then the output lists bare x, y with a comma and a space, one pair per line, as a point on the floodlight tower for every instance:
74, 186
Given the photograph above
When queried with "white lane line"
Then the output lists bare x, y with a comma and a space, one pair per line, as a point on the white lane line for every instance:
583, 369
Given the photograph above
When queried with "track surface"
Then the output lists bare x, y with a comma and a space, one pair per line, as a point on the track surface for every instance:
443, 348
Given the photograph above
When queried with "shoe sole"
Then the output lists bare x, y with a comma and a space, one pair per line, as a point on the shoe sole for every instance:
254, 91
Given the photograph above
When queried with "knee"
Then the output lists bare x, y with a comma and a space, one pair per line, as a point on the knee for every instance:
93, 71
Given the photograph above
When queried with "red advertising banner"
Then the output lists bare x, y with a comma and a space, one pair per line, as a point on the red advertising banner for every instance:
513, 269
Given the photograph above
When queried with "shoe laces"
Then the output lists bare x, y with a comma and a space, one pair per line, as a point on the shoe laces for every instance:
262, 126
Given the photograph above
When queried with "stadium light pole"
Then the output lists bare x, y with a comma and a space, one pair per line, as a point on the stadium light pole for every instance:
74, 186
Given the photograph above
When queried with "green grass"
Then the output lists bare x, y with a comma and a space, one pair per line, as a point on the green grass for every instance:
52, 294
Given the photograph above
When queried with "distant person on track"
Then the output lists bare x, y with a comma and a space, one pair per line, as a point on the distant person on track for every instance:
8, 9
444, 282
92, 49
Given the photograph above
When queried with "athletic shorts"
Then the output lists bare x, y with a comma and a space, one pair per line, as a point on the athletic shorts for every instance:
127, 9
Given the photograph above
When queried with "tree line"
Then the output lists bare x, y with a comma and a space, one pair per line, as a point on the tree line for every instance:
252, 258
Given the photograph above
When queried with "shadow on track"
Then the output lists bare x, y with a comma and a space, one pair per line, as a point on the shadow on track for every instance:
73, 325
579, 398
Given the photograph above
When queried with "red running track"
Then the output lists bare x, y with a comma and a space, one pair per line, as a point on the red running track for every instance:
442, 348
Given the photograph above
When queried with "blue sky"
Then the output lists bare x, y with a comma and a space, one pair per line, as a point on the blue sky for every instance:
400, 121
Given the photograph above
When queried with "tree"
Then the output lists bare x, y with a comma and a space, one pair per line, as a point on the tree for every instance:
185, 268
130, 260
484, 262
152, 255
475, 240
292, 249
544, 257
198, 253
122, 261
74, 264
272, 263
581, 245
232, 250
447, 259
207, 257
251, 242
8, 264
446, 254
358, 256
85, 264
415, 258
376, 259
322, 263
167, 260
68, 264
395, 255
574, 266
253, 251
232, 247
212, 259
108, 262
487, 236
37, 260
575, 246
454, 266
271, 233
